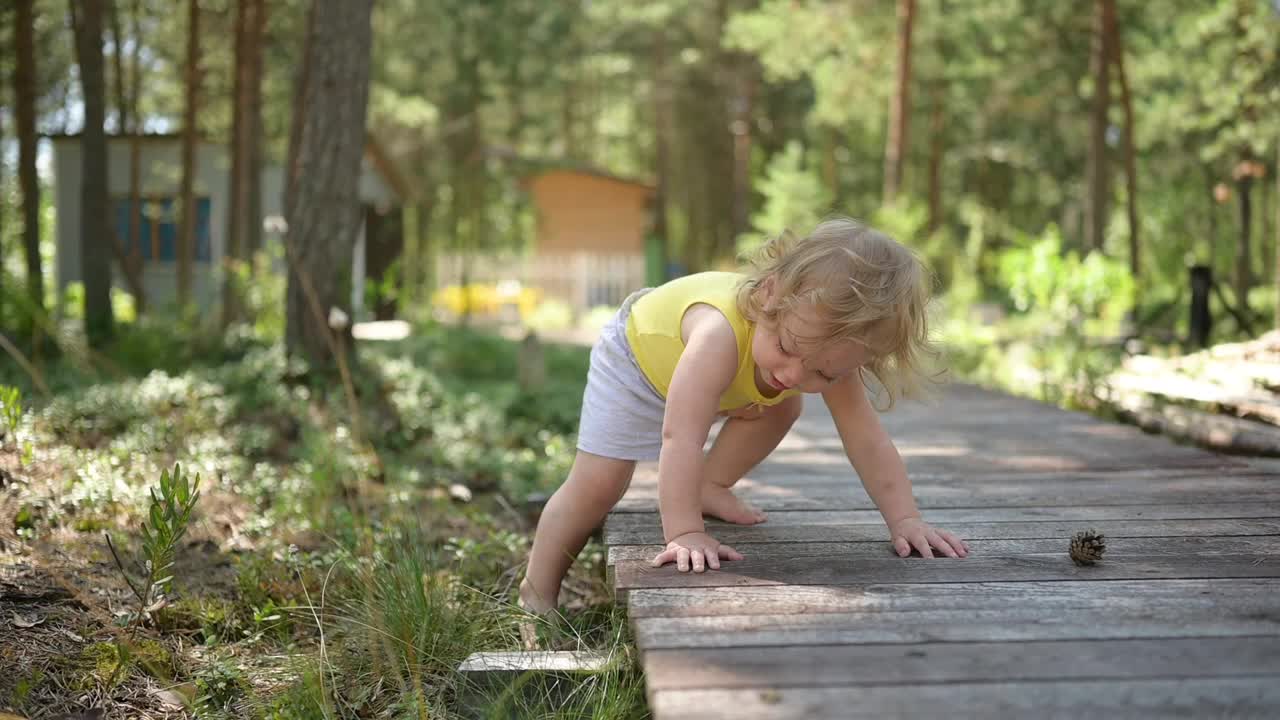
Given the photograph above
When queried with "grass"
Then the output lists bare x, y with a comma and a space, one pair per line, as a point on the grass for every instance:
324, 575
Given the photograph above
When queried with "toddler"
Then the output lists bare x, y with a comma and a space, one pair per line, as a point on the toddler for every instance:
820, 314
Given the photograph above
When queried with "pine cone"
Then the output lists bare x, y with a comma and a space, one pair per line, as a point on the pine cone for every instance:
1087, 547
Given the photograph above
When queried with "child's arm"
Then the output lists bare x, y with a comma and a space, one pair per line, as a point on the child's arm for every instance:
705, 369
883, 473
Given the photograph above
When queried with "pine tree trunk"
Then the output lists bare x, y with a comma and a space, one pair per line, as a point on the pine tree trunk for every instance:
1243, 272
135, 155
256, 36
937, 148
24, 94
1096, 207
3, 320
661, 148
187, 229
117, 58
324, 208
3, 323
899, 105
243, 125
95, 264
131, 260
740, 124
1130, 161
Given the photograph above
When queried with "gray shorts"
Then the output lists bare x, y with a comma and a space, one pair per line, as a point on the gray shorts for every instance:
621, 412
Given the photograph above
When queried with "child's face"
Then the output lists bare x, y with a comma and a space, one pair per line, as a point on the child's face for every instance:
786, 359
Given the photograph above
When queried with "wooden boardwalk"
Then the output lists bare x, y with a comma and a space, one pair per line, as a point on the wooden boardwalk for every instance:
823, 620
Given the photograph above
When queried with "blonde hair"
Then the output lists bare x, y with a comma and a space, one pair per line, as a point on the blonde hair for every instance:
866, 287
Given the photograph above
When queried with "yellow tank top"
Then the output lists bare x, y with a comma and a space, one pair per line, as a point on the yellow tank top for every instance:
653, 330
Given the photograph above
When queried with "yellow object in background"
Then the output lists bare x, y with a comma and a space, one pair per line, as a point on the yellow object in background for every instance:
487, 299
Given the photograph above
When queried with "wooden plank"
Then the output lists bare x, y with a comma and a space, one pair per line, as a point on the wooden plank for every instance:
1224, 433
650, 533
1155, 596
838, 570
534, 661
783, 471
1177, 387
959, 454
855, 498
783, 468
1119, 550
1097, 484
637, 522
1012, 456
853, 665
1239, 697
1014, 623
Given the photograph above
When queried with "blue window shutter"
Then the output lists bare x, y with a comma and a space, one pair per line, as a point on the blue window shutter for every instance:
168, 231
146, 233
203, 253
121, 208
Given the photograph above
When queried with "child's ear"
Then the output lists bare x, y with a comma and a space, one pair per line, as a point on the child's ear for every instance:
768, 291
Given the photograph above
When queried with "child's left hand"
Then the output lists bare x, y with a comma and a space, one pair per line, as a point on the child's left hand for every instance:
914, 532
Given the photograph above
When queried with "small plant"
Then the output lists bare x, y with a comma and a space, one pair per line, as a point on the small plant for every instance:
269, 619
165, 525
219, 685
10, 410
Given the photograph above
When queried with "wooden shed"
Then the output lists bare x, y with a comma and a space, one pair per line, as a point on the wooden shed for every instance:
589, 247
590, 211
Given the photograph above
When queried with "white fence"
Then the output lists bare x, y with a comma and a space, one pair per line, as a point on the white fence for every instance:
583, 280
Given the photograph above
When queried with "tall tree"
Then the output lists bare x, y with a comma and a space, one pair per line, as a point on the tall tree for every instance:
2, 253
742, 102
117, 58
937, 149
243, 215
661, 152
24, 96
900, 105
1116, 46
256, 35
95, 266
187, 197
1244, 174
322, 204
1096, 205
132, 261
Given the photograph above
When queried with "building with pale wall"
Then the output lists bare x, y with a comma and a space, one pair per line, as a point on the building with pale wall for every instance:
160, 175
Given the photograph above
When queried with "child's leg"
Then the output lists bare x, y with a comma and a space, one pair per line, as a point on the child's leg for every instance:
740, 446
594, 486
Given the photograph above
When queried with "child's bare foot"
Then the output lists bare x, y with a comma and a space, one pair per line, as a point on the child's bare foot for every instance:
720, 502
532, 602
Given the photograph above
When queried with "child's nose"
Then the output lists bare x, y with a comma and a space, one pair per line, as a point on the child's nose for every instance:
792, 376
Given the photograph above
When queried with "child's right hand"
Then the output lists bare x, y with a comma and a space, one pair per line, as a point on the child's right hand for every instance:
698, 547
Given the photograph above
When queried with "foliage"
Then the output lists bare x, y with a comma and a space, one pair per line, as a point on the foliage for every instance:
166, 523
793, 198
1058, 287
286, 460
219, 686
1071, 316
259, 285
10, 410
